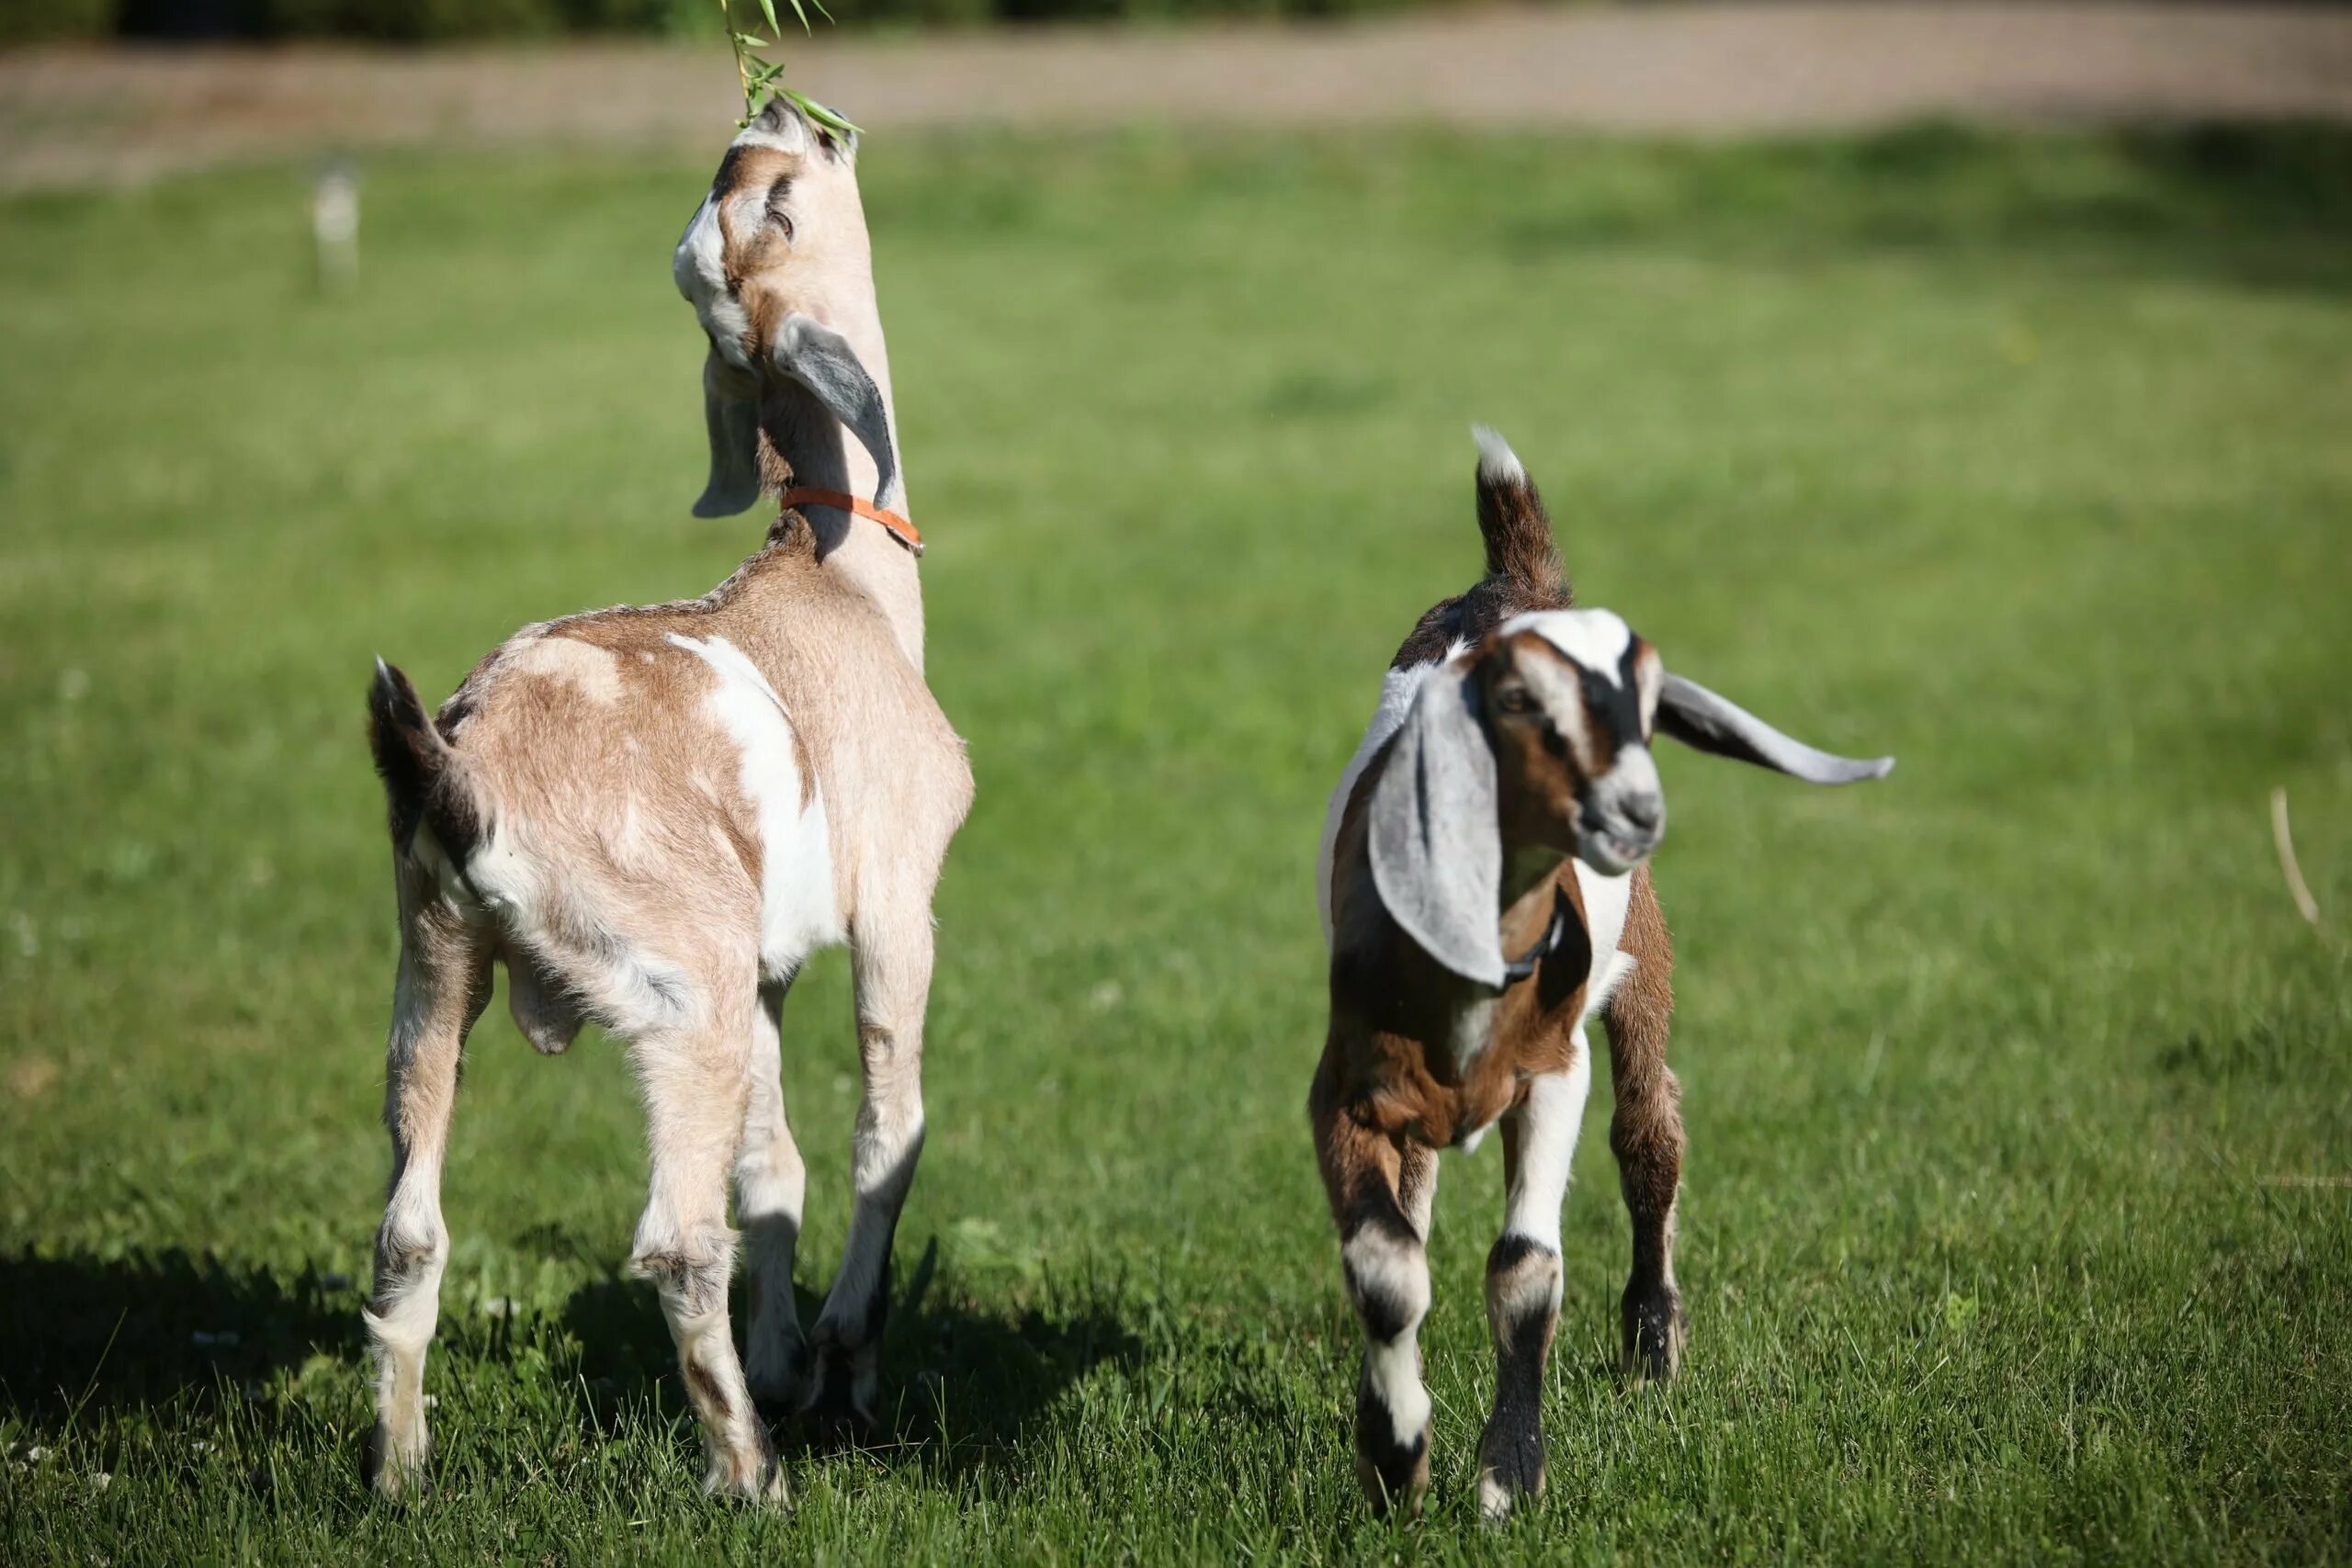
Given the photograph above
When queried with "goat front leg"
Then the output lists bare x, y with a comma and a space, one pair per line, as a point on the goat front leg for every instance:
443, 986
893, 962
1381, 1188
696, 1086
1645, 1134
1523, 1280
769, 1184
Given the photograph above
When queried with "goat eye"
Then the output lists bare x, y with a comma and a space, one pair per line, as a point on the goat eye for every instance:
1515, 700
781, 218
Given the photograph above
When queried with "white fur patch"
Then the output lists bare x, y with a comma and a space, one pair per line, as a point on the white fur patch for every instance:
798, 911
1606, 900
1382, 1266
412, 1219
1472, 1028
593, 669
1596, 640
1397, 689
1497, 464
626, 838
503, 873
1397, 1373
633, 991
699, 266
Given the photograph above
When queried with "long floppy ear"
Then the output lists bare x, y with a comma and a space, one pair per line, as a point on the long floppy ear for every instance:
1437, 848
821, 360
1698, 717
732, 419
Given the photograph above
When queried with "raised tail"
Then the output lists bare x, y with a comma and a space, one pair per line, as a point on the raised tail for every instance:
422, 783
1512, 520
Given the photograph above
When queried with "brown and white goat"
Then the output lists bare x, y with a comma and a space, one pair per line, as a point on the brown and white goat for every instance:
1503, 802
652, 815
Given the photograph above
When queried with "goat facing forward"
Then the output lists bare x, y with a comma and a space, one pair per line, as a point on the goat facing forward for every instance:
652, 815
1502, 803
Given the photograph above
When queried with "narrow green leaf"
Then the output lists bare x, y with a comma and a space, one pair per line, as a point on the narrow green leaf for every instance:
767, 10
818, 112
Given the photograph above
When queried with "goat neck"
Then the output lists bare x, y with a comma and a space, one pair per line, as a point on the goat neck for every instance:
813, 448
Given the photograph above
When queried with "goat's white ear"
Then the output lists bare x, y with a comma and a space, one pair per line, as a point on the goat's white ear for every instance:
1436, 847
821, 360
732, 419
1698, 717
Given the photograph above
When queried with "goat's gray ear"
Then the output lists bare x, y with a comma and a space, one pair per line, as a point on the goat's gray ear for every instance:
1698, 717
821, 360
1436, 847
731, 415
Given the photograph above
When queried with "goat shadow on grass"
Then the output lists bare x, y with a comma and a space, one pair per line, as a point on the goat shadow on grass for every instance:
962, 1387
150, 1328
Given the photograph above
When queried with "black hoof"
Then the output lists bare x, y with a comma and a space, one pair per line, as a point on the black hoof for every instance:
1394, 1475
831, 1408
1655, 1328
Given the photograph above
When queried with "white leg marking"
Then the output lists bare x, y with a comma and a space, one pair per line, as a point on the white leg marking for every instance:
1395, 1275
1396, 1370
1550, 1119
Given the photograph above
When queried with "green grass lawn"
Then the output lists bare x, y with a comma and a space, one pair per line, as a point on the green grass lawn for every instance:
2017, 1222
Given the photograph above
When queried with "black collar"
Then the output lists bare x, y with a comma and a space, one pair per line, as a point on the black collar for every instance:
1562, 912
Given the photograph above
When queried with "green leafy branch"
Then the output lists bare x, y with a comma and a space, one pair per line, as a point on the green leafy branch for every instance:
762, 79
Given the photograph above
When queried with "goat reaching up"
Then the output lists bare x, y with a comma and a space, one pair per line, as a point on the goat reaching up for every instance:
652, 815
1504, 801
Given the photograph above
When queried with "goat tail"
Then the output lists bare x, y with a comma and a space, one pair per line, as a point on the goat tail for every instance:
1511, 519
423, 782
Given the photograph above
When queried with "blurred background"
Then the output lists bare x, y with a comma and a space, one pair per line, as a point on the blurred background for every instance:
1969, 383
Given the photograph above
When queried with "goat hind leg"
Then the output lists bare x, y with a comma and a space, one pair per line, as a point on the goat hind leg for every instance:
769, 1184
695, 1093
1645, 1135
893, 962
443, 986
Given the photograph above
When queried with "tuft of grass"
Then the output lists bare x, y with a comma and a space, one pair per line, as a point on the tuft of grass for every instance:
2020, 1098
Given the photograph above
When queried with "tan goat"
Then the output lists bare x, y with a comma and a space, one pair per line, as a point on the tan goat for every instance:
652, 815
1504, 801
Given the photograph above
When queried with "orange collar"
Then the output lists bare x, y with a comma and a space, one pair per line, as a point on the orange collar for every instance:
802, 495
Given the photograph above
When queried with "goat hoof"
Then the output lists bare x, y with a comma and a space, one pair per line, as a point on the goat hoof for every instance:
1393, 1475
1655, 1328
394, 1470
841, 1397
775, 1376
1510, 1467
753, 1478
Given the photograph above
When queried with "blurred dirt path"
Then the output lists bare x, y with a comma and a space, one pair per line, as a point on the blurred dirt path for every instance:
77, 115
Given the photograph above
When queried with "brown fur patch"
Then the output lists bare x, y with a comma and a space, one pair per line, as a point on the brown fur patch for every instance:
708, 1399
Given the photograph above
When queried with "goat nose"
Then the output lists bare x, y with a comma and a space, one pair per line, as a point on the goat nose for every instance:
1644, 811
